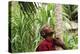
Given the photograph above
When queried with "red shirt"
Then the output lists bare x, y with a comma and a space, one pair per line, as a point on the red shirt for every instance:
46, 45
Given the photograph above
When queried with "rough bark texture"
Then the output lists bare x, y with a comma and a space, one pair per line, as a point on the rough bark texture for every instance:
58, 27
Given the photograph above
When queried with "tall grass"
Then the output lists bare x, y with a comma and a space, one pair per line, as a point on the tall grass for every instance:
25, 27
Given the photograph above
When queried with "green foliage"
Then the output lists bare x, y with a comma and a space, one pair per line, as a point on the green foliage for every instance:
26, 21
71, 40
70, 12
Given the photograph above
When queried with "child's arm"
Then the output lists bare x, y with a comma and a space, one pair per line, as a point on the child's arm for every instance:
59, 42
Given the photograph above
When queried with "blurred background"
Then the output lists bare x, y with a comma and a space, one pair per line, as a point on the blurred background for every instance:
26, 19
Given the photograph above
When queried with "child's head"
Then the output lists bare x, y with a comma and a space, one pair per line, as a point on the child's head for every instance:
46, 31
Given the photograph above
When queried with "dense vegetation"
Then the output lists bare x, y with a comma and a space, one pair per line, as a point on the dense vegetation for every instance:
26, 18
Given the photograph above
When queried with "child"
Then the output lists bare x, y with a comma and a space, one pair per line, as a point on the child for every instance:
49, 42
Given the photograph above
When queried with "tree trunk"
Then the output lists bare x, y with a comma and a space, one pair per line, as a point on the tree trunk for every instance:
58, 27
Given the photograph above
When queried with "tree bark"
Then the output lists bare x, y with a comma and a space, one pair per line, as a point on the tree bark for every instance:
58, 27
